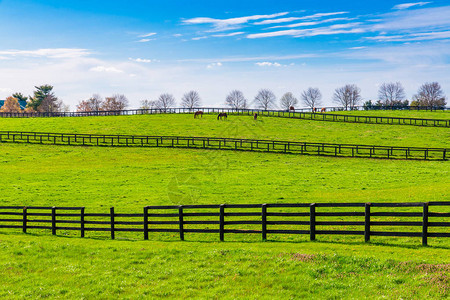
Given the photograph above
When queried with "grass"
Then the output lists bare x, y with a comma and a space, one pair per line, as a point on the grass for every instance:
421, 114
38, 265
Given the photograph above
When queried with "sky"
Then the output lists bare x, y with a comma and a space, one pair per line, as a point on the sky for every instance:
145, 48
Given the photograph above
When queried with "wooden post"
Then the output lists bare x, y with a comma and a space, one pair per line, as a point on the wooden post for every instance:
312, 221
54, 220
264, 221
180, 221
222, 222
367, 223
24, 220
425, 225
146, 223
111, 211
82, 221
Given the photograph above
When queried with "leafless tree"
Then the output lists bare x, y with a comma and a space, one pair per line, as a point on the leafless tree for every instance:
265, 99
148, 104
390, 94
288, 100
236, 100
312, 97
430, 94
165, 101
51, 103
94, 103
115, 103
191, 99
347, 96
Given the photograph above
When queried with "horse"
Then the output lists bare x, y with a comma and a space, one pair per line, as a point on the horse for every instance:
314, 109
255, 116
198, 113
323, 110
291, 108
222, 115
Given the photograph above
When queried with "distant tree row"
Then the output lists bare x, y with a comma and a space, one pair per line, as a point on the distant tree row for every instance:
97, 103
43, 100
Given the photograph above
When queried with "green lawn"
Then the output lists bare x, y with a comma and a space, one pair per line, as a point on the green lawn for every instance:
38, 265
421, 114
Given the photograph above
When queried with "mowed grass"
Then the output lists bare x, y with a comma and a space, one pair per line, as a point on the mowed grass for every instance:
37, 265
239, 127
421, 114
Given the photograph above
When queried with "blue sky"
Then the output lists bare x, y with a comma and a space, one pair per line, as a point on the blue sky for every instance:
145, 48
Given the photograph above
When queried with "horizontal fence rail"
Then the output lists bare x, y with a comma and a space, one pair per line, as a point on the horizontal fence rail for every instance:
305, 113
304, 148
424, 220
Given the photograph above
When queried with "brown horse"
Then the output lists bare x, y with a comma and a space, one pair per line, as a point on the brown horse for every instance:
255, 116
198, 113
314, 109
323, 110
222, 115
291, 108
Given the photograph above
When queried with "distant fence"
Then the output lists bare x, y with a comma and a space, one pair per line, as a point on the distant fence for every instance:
295, 219
297, 114
216, 143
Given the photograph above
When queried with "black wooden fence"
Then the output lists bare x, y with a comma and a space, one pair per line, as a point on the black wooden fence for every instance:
297, 114
215, 143
311, 219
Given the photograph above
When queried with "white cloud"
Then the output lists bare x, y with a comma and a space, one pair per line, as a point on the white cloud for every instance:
140, 60
228, 34
105, 69
199, 38
214, 65
48, 52
408, 5
311, 23
412, 37
231, 23
275, 21
177, 35
147, 34
320, 15
144, 40
268, 64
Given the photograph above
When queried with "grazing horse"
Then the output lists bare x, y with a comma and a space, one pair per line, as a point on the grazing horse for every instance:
222, 115
314, 109
255, 116
198, 113
323, 110
291, 108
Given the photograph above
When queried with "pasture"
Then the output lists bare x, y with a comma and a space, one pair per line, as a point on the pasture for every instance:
65, 266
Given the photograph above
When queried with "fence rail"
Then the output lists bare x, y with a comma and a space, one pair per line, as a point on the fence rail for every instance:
311, 219
304, 148
305, 114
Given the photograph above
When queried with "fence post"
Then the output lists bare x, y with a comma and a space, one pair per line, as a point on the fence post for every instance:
367, 222
264, 221
222, 222
24, 220
111, 211
312, 221
425, 225
82, 221
145, 223
180, 221
54, 220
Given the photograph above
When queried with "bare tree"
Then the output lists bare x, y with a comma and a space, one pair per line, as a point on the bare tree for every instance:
148, 104
430, 94
94, 103
51, 103
115, 103
390, 94
288, 100
236, 100
191, 99
165, 101
265, 99
347, 96
312, 97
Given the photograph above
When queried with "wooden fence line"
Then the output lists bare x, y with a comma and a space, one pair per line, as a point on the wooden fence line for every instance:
157, 219
297, 114
304, 148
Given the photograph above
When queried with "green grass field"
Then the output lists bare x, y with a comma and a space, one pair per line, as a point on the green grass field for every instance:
421, 114
39, 265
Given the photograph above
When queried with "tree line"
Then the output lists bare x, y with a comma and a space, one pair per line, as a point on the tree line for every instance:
347, 97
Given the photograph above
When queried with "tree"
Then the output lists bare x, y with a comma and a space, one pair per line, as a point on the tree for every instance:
20, 97
44, 100
191, 99
165, 101
265, 99
236, 100
94, 103
347, 96
430, 94
11, 105
288, 100
312, 97
148, 104
115, 102
391, 94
